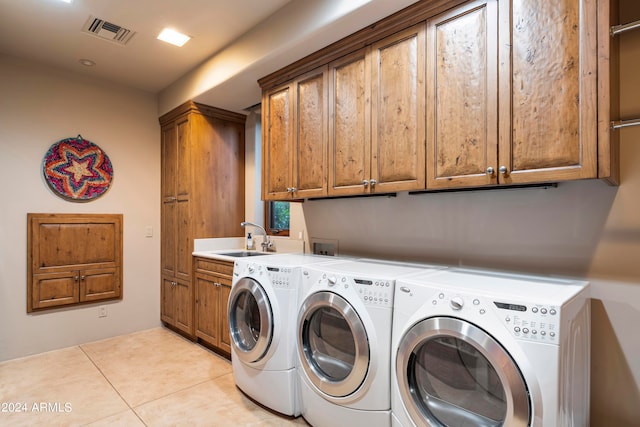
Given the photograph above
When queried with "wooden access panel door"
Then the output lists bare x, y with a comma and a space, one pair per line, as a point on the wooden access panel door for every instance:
73, 258
398, 112
55, 290
99, 284
462, 96
548, 119
277, 142
350, 124
310, 155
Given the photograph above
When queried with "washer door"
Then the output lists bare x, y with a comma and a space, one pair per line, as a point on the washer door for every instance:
452, 373
250, 320
332, 344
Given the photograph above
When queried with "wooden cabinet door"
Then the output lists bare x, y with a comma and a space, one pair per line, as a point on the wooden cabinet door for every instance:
548, 119
462, 91
99, 284
309, 176
169, 235
169, 182
277, 142
169, 155
183, 240
225, 335
167, 304
183, 306
398, 112
350, 124
183, 153
207, 309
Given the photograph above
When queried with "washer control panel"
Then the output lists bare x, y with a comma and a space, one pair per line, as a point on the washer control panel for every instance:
280, 277
373, 292
534, 322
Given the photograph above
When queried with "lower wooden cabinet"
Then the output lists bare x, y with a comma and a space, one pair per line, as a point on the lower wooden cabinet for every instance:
212, 280
177, 304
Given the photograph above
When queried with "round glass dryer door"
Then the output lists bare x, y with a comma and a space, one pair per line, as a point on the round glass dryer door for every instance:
333, 344
452, 373
250, 320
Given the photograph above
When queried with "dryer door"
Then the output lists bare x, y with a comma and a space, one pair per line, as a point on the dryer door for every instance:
452, 373
250, 320
332, 344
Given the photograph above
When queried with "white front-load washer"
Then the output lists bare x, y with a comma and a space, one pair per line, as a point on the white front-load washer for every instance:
478, 348
344, 337
263, 305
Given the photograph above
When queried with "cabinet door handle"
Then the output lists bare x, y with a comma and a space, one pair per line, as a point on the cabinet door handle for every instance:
490, 170
503, 170
76, 278
373, 182
365, 183
82, 277
216, 284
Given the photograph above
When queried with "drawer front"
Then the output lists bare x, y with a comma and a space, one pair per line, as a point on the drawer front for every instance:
205, 265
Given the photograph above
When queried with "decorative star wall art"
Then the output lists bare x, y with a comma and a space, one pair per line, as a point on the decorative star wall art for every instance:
77, 170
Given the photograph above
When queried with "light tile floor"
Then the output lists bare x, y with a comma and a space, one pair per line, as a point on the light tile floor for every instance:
149, 378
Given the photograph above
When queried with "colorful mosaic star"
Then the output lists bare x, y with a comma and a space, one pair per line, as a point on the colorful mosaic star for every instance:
77, 169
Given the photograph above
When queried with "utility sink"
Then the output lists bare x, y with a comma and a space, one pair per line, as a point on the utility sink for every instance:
243, 253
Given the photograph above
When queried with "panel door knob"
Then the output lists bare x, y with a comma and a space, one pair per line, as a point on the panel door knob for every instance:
365, 183
373, 182
490, 170
503, 170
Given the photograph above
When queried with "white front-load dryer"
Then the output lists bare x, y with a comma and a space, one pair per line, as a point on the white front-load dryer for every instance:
477, 348
344, 337
262, 306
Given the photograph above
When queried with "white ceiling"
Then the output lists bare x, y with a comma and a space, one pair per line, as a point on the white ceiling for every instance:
50, 32
268, 34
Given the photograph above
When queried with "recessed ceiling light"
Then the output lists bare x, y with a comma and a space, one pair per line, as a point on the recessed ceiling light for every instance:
87, 62
173, 37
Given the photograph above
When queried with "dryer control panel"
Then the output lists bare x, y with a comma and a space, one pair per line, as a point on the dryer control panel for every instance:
533, 322
281, 277
373, 292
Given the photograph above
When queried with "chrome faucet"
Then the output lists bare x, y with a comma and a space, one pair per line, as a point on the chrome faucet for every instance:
266, 244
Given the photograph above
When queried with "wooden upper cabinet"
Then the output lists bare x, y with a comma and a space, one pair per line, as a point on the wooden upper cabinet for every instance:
309, 163
350, 124
377, 114
277, 142
398, 112
450, 94
295, 138
548, 90
462, 106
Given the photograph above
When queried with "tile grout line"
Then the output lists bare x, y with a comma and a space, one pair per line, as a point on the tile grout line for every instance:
112, 386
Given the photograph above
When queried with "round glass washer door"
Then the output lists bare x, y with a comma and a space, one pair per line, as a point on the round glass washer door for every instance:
332, 344
250, 320
452, 373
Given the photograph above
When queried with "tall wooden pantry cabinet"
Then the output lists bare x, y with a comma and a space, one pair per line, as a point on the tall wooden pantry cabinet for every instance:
202, 197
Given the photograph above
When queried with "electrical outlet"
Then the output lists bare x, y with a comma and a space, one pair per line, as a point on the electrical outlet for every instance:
324, 246
102, 311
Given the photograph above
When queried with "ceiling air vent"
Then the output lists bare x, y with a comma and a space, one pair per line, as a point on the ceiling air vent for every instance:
107, 30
